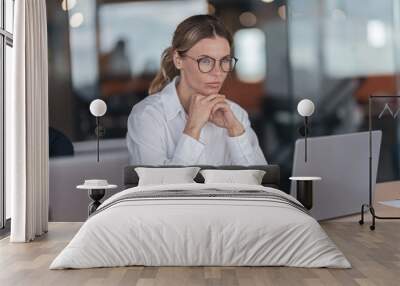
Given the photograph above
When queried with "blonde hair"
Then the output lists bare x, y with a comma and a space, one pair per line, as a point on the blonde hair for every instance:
187, 34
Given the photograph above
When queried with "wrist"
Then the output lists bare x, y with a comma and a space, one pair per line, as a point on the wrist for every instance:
236, 130
192, 131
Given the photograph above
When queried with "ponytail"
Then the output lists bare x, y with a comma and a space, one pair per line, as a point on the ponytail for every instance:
166, 73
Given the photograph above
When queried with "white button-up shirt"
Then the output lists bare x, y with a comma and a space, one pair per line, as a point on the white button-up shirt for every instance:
155, 136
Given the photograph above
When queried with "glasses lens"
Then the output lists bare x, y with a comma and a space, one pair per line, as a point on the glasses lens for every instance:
206, 64
228, 64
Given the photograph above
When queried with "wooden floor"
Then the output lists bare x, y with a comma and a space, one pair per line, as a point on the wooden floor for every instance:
374, 255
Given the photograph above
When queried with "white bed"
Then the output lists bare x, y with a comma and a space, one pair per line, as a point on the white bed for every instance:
185, 230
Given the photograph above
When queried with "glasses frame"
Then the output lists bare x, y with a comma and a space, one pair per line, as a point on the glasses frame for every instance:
214, 61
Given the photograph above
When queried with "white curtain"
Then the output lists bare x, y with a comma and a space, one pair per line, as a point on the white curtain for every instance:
27, 124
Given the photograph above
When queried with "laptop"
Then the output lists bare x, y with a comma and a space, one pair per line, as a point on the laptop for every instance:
342, 161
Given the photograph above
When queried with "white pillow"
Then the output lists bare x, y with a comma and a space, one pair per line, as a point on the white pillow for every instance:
162, 176
249, 177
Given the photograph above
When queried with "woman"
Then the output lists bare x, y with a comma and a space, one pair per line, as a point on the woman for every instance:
185, 121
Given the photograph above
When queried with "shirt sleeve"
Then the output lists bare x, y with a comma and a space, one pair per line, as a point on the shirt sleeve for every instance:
147, 144
245, 149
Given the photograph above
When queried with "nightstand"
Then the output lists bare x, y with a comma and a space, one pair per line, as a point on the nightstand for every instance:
304, 190
96, 191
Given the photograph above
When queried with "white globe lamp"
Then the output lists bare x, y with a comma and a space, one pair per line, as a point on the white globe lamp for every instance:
98, 107
305, 107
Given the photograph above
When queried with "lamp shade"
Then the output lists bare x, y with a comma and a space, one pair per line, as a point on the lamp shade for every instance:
305, 107
98, 107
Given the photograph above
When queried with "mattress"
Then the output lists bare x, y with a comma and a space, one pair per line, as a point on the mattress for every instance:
201, 225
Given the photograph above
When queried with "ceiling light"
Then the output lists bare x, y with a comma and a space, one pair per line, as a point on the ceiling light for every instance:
247, 19
68, 4
76, 20
376, 33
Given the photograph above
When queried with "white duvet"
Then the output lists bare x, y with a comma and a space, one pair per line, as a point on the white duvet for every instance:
200, 231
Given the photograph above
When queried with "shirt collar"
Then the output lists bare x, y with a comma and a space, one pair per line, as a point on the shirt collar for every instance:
172, 104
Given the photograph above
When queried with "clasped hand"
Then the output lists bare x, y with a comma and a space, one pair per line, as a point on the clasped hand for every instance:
215, 109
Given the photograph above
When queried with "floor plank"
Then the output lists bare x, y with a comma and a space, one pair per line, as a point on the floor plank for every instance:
374, 255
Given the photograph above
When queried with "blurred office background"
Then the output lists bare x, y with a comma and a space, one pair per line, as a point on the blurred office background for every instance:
334, 52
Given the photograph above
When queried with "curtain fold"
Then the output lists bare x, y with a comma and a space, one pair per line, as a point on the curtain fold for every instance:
27, 124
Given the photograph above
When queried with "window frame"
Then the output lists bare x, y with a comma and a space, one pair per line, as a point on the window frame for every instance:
6, 39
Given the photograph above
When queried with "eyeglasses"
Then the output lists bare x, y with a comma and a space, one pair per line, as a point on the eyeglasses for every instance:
206, 64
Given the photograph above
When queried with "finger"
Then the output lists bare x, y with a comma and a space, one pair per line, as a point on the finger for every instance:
197, 97
226, 106
213, 96
221, 105
217, 100
211, 104
195, 100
